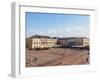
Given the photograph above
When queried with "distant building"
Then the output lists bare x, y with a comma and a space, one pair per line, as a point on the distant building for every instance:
40, 42
62, 42
48, 42
52, 42
74, 42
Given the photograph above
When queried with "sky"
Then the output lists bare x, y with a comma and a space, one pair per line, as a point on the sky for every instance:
57, 25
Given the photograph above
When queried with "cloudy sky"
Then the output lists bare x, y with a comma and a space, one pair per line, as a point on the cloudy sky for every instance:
57, 25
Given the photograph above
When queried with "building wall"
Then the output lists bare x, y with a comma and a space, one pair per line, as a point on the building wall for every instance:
78, 41
50, 42
29, 43
74, 42
41, 43
36, 43
86, 42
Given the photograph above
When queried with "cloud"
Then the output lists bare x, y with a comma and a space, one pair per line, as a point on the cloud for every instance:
78, 31
69, 32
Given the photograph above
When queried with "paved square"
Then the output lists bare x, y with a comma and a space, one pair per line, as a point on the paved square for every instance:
56, 56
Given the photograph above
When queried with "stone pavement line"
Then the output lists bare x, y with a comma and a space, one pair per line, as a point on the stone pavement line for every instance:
69, 61
81, 57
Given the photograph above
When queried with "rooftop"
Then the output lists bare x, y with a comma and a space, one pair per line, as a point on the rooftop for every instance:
43, 36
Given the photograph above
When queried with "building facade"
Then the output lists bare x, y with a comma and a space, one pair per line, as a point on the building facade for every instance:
40, 42
48, 42
75, 42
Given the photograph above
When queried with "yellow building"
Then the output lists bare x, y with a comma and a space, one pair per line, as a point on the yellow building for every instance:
86, 42
52, 42
40, 42
48, 42
36, 43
